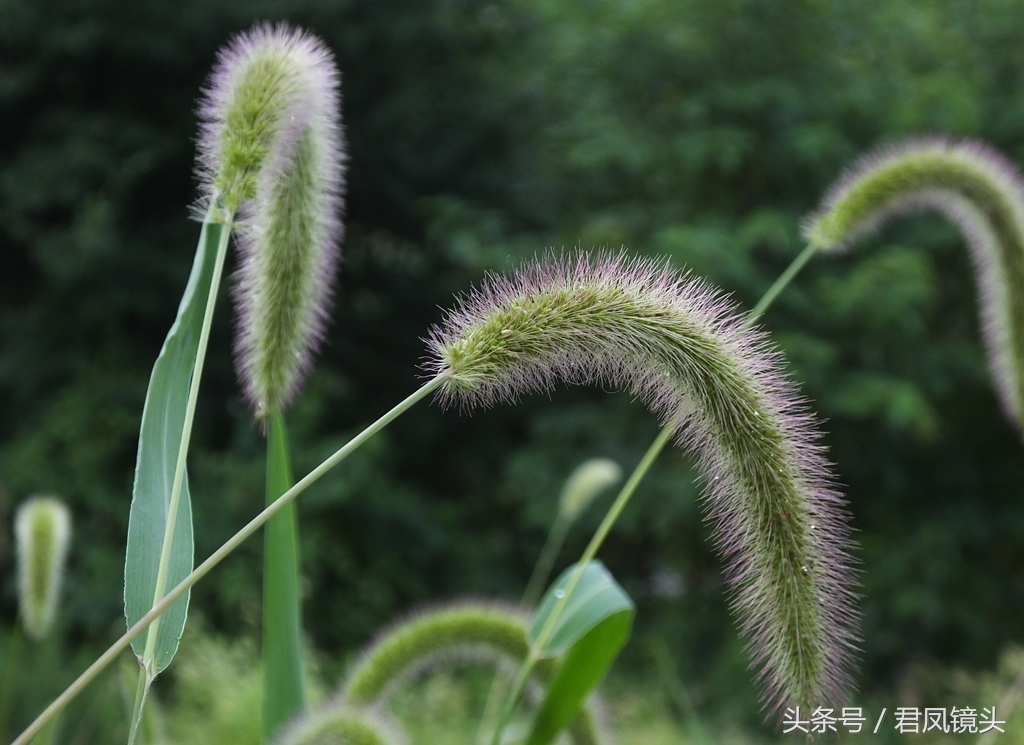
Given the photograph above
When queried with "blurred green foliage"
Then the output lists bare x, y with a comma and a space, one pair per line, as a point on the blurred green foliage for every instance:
480, 133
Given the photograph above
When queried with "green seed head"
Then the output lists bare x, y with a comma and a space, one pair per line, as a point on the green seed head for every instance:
42, 531
470, 629
678, 345
271, 148
260, 84
585, 483
978, 190
418, 641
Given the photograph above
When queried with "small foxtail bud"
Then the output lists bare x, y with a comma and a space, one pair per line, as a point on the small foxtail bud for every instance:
677, 344
42, 531
585, 483
976, 189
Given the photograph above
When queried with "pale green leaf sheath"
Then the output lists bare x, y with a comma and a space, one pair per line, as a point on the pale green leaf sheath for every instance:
978, 190
677, 344
435, 638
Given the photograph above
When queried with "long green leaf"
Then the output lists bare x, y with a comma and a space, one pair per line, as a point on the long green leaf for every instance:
160, 437
283, 691
593, 628
596, 597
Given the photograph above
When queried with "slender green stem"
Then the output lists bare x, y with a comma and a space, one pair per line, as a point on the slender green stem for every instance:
780, 284
588, 554
534, 589
141, 691
216, 558
541, 572
677, 693
149, 656
284, 696
620, 503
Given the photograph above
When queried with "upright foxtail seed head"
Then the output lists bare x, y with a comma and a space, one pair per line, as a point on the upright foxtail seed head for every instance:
464, 630
677, 344
979, 191
586, 482
42, 530
272, 148
340, 724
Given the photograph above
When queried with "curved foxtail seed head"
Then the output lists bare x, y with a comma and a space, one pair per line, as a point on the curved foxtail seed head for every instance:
416, 642
586, 482
468, 629
42, 530
978, 190
272, 147
342, 725
677, 344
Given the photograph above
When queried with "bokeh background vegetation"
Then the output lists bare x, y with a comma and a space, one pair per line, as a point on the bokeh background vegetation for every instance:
481, 133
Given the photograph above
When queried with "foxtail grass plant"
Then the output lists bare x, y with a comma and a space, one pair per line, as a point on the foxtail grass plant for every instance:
42, 535
288, 240
270, 157
269, 154
675, 343
976, 189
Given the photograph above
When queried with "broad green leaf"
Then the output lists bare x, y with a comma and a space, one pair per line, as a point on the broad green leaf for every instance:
596, 597
163, 420
598, 627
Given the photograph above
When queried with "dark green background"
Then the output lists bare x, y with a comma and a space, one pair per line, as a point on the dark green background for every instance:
480, 133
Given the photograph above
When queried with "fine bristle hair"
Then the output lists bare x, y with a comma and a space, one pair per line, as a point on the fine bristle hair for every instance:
42, 531
673, 341
338, 724
272, 148
978, 190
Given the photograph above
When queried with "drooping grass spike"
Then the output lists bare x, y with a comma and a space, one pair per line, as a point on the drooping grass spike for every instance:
42, 531
338, 724
778, 521
978, 190
272, 146
470, 629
